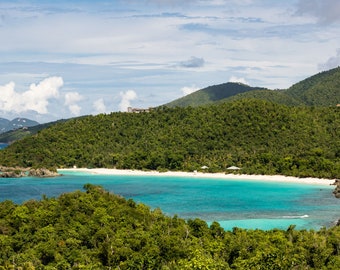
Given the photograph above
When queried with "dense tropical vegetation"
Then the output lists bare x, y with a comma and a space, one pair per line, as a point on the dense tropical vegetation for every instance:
258, 136
99, 230
276, 96
322, 89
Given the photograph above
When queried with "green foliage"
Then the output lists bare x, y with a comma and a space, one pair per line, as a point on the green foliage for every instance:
95, 229
276, 96
14, 135
258, 136
321, 89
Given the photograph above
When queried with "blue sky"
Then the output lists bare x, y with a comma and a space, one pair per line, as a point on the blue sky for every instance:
60, 59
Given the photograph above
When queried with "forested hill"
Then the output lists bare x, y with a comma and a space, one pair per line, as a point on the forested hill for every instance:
322, 89
211, 94
258, 136
277, 96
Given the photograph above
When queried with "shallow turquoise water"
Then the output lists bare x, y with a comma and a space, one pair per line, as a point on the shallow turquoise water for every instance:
240, 203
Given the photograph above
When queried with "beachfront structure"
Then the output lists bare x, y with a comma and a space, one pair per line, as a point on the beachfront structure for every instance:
233, 168
138, 110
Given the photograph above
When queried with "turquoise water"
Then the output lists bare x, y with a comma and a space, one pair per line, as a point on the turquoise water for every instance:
3, 145
240, 203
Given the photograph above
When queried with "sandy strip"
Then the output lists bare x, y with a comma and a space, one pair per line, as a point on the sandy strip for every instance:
274, 178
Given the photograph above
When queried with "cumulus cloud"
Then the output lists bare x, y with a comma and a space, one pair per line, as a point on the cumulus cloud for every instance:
189, 89
71, 100
326, 11
238, 80
127, 97
332, 62
99, 106
193, 62
36, 98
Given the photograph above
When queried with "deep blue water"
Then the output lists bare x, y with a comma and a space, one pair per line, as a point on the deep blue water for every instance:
240, 203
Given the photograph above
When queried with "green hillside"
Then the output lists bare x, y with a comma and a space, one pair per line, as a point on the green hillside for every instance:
258, 136
211, 94
13, 135
276, 96
322, 89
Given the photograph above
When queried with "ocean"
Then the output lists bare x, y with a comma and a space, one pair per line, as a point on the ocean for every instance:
233, 203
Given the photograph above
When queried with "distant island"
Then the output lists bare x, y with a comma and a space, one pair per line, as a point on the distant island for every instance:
17, 123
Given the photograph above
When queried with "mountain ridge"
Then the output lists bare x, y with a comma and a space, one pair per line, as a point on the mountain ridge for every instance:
321, 89
211, 94
16, 123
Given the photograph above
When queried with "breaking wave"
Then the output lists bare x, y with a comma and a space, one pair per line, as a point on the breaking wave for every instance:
293, 217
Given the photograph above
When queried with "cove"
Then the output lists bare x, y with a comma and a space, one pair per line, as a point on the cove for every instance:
233, 203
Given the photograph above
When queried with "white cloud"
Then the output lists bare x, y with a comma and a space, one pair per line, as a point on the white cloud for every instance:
99, 106
72, 97
238, 80
332, 62
71, 100
189, 89
75, 109
127, 97
326, 11
193, 62
35, 99
147, 44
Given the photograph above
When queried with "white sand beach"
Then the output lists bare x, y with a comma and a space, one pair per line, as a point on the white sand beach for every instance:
273, 178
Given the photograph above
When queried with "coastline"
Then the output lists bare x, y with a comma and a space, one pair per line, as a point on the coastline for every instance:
269, 178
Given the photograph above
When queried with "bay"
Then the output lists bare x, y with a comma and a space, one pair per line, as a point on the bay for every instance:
233, 203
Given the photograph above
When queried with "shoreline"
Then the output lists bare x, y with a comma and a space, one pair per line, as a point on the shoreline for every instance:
230, 176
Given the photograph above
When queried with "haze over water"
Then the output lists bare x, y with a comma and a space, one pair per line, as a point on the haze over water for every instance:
233, 203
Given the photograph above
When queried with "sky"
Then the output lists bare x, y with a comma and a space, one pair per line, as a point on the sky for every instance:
61, 59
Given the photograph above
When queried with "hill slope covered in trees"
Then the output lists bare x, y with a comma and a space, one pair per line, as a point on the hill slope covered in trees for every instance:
276, 96
322, 89
211, 94
99, 230
258, 136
